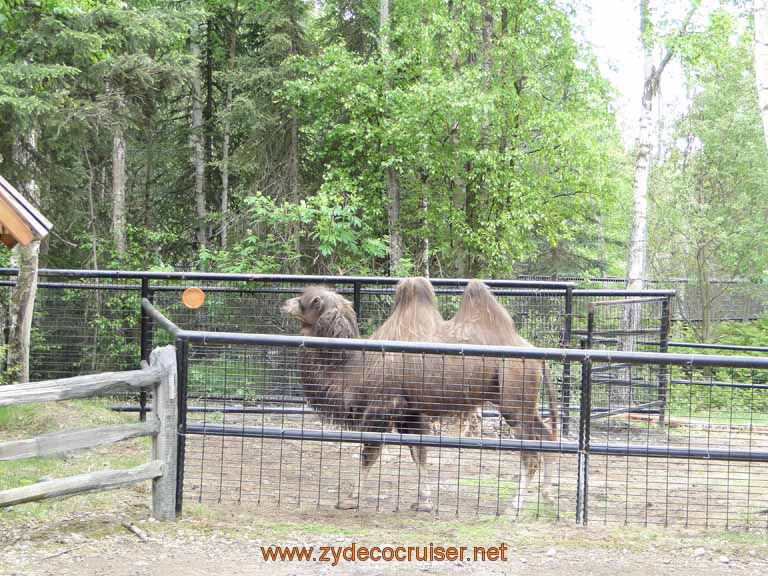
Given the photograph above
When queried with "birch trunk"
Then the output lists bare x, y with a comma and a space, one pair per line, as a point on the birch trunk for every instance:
92, 212
22, 309
294, 184
22, 303
638, 243
760, 47
423, 259
198, 148
391, 173
224, 235
119, 178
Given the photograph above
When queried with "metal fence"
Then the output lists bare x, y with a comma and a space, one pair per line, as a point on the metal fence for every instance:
247, 434
88, 321
720, 300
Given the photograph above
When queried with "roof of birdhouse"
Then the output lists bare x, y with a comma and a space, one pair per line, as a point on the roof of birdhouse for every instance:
20, 222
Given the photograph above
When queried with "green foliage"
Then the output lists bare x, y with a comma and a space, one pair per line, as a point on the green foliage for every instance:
706, 222
511, 146
276, 232
722, 402
507, 160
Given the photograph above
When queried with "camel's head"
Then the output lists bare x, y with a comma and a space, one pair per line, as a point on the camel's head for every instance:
323, 312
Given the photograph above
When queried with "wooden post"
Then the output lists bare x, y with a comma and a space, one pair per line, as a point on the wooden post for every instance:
164, 410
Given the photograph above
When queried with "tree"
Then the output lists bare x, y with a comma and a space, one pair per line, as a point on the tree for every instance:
25, 257
390, 170
233, 26
711, 191
760, 52
638, 243
197, 143
486, 119
119, 180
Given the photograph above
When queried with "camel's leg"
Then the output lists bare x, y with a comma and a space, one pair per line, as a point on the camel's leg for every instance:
472, 422
370, 454
540, 431
415, 423
531, 462
547, 461
531, 427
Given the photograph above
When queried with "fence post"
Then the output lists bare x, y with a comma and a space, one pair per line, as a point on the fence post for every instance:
356, 300
164, 443
585, 423
565, 408
182, 367
145, 343
664, 348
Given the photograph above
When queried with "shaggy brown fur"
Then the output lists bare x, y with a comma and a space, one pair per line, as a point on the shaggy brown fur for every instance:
415, 316
377, 392
482, 320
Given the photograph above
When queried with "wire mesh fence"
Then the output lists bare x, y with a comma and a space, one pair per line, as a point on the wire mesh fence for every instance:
264, 426
89, 321
707, 466
274, 448
710, 459
718, 300
81, 327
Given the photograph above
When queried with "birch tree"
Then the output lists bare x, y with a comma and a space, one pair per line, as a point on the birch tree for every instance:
26, 258
760, 52
232, 49
119, 179
652, 72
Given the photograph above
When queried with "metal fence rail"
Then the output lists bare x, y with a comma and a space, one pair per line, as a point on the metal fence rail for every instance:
725, 300
706, 466
90, 320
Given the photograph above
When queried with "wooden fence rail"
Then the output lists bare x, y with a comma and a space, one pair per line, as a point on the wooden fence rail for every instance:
160, 375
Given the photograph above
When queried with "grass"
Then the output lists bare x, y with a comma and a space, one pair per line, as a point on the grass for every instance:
29, 420
15, 417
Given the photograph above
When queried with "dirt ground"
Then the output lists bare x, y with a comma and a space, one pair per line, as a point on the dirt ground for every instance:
85, 536
304, 475
258, 493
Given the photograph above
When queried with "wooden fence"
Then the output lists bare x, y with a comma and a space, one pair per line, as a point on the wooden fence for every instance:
160, 375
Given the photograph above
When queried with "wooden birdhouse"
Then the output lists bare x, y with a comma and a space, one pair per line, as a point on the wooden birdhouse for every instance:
20, 222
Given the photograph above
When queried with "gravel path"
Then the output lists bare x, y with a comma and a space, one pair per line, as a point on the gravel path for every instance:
228, 542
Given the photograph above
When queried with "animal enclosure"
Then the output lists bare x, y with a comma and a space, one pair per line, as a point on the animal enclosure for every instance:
248, 435
90, 320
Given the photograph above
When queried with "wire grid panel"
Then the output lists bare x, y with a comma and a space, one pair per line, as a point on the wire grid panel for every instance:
621, 386
538, 314
230, 305
725, 301
611, 330
83, 327
696, 476
236, 393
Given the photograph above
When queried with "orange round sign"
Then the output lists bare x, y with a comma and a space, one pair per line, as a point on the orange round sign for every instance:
193, 297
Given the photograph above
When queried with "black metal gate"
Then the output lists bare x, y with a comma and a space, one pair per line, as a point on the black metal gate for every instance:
248, 437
